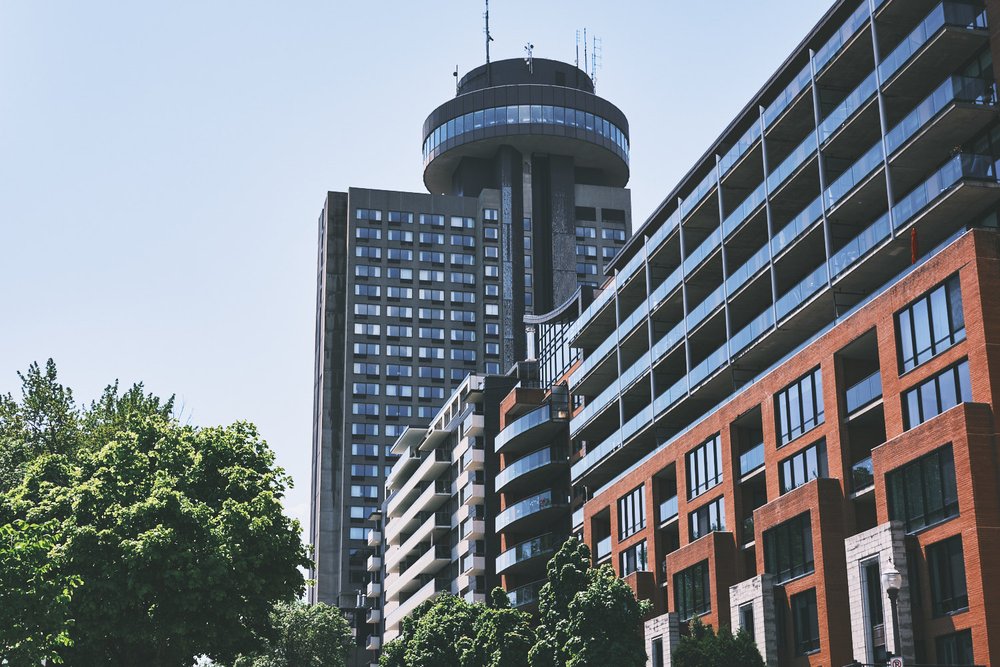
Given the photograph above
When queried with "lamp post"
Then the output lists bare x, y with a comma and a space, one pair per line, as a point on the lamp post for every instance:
892, 581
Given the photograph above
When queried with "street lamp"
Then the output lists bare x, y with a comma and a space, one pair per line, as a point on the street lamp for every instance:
892, 581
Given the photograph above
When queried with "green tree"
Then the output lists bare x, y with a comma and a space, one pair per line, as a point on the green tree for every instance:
588, 617
175, 533
34, 594
303, 636
501, 636
703, 647
436, 638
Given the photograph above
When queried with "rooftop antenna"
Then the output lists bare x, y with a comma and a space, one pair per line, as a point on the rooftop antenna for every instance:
578, 49
455, 74
528, 60
489, 38
597, 57
585, 52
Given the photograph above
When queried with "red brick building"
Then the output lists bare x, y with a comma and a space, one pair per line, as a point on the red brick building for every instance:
786, 385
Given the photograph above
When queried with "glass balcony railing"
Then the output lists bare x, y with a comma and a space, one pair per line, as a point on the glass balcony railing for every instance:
743, 211
955, 89
860, 245
858, 172
739, 149
788, 166
525, 595
667, 343
864, 392
661, 234
801, 222
946, 14
595, 358
523, 465
669, 284
700, 191
963, 165
577, 517
637, 423
635, 371
631, 268
707, 305
526, 507
752, 459
785, 98
521, 425
592, 409
748, 530
709, 365
539, 546
676, 392
706, 248
833, 45
668, 509
843, 112
862, 475
632, 321
796, 296
749, 268
590, 311
604, 547
756, 328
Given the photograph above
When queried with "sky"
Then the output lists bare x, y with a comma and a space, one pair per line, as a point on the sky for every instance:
163, 165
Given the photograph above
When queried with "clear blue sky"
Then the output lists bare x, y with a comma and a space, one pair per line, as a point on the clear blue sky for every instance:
163, 165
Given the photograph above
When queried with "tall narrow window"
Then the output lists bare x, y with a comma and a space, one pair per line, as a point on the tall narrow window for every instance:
788, 550
806, 622
707, 518
955, 649
800, 406
923, 492
746, 619
937, 394
633, 559
946, 566
931, 324
631, 513
803, 466
704, 466
691, 591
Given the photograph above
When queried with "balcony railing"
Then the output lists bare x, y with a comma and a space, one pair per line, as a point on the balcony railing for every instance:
794, 160
743, 211
699, 193
955, 89
809, 216
603, 548
756, 262
963, 165
754, 329
525, 464
862, 475
525, 595
860, 245
533, 548
846, 109
799, 294
578, 517
864, 392
526, 507
707, 305
706, 248
740, 148
946, 14
748, 530
833, 46
522, 425
859, 171
668, 509
785, 98
752, 459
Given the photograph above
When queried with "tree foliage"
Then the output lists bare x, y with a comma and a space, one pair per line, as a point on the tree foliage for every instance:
588, 617
703, 647
303, 636
174, 533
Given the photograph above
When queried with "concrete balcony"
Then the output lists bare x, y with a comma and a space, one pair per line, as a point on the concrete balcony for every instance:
472, 529
374, 643
472, 459
374, 537
473, 425
374, 563
373, 589
473, 565
425, 592
429, 500
431, 529
429, 469
430, 563
472, 494
374, 617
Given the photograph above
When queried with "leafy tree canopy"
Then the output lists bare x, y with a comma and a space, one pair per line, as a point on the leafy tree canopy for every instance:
703, 647
304, 636
175, 534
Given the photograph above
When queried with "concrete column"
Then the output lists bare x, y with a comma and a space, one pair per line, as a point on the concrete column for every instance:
666, 628
759, 592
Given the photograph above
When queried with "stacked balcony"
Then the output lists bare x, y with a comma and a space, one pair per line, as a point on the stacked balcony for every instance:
807, 210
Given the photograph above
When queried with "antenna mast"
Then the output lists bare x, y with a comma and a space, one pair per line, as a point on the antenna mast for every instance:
528, 59
596, 56
489, 38
585, 52
578, 49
